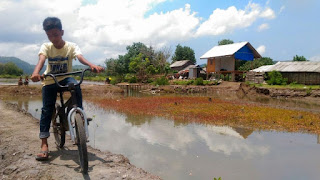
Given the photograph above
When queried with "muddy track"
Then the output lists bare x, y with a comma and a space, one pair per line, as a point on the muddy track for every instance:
19, 143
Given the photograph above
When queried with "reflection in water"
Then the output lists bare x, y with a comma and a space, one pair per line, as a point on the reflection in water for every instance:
23, 104
192, 151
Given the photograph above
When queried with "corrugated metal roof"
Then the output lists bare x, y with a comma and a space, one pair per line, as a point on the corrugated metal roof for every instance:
179, 63
296, 66
188, 67
228, 50
263, 68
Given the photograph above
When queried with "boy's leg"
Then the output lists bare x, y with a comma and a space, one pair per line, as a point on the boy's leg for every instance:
78, 89
49, 96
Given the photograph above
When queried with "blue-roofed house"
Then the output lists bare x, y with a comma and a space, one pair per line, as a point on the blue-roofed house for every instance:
222, 59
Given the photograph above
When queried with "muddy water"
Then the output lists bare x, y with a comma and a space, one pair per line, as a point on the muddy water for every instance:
194, 151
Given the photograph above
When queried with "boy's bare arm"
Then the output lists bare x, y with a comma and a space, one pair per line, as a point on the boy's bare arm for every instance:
35, 75
93, 67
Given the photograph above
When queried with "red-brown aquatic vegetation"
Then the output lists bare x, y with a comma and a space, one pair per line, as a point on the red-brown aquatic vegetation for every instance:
216, 111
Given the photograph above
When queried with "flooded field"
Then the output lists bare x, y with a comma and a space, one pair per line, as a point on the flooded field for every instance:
175, 150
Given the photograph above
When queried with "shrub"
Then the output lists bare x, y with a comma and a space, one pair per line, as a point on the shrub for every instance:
133, 79
130, 78
198, 81
161, 81
275, 78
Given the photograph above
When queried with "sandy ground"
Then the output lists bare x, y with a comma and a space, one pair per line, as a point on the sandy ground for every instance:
19, 143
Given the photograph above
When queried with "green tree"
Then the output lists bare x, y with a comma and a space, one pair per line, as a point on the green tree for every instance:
141, 67
184, 53
10, 68
139, 60
299, 58
225, 41
256, 63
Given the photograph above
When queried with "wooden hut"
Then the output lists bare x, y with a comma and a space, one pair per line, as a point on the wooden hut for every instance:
222, 59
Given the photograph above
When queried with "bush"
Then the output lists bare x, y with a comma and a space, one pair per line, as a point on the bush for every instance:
275, 78
161, 81
198, 81
130, 78
133, 79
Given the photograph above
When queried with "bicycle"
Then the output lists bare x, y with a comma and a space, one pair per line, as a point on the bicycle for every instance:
68, 116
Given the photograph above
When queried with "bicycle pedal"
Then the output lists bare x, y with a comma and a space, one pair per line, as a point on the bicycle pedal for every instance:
89, 119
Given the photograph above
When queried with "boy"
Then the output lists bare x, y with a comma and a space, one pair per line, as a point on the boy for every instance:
60, 54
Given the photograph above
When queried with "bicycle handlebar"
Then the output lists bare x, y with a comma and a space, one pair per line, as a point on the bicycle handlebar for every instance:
65, 74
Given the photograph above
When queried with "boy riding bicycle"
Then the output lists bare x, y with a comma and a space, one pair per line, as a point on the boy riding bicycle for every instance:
60, 54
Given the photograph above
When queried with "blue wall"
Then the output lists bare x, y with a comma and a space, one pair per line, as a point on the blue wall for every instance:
244, 53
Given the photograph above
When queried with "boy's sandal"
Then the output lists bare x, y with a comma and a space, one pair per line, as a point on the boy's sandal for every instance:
43, 156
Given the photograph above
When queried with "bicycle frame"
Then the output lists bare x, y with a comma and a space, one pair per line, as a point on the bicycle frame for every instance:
71, 103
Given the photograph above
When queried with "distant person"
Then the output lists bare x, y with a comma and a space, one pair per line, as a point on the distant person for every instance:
20, 81
107, 80
60, 55
26, 81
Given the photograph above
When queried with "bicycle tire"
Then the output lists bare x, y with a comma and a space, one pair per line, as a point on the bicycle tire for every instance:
59, 131
81, 142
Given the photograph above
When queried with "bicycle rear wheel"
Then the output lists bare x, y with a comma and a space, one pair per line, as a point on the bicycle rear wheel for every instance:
81, 143
59, 131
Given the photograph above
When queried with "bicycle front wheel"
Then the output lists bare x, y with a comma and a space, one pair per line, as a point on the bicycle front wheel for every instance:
81, 142
58, 128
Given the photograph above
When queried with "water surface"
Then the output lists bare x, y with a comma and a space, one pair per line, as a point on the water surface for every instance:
193, 151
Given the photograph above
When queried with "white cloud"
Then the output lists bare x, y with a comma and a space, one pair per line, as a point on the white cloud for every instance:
315, 58
261, 49
282, 9
20, 50
224, 21
268, 14
105, 28
263, 27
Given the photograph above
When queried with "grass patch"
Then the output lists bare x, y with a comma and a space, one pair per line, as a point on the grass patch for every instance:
289, 86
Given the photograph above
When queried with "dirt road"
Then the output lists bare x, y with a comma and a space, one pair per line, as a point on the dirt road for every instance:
19, 143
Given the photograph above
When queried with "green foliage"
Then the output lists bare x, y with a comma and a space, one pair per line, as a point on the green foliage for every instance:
225, 41
141, 60
248, 65
308, 91
161, 81
299, 58
10, 68
198, 81
217, 178
131, 78
275, 78
184, 53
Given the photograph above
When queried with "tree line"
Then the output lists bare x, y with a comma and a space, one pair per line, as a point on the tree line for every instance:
141, 62
10, 68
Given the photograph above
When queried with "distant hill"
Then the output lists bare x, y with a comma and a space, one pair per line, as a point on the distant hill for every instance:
78, 67
28, 68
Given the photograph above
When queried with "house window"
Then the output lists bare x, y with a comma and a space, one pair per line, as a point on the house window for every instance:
211, 61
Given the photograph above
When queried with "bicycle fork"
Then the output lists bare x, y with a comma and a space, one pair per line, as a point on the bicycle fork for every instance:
71, 112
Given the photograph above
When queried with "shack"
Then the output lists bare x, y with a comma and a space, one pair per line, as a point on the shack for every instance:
180, 65
301, 72
222, 59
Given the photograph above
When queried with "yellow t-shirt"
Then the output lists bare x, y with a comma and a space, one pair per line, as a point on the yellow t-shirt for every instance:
59, 60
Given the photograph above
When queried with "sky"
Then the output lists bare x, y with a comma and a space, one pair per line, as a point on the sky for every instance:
279, 29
